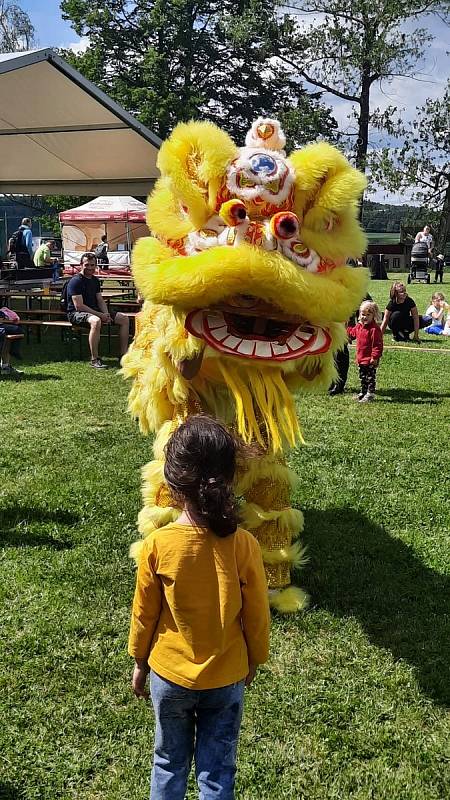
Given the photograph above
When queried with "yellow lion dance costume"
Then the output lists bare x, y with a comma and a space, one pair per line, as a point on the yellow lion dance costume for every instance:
246, 290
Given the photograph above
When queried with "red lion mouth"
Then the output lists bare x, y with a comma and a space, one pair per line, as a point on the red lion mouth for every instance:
249, 328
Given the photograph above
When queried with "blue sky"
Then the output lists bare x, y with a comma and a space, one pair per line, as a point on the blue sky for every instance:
51, 29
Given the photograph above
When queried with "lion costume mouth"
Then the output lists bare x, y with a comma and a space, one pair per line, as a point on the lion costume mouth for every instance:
249, 328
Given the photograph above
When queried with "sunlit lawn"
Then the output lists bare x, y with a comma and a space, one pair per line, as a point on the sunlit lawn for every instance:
354, 701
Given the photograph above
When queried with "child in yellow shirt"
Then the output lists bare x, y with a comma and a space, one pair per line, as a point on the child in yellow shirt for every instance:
200, 618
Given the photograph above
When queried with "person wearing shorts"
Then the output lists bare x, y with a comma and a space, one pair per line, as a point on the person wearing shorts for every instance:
86, 306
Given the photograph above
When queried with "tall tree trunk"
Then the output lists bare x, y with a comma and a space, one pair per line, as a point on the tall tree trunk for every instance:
444, 224
362, 141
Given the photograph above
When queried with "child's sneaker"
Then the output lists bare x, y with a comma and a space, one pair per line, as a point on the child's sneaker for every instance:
367, 398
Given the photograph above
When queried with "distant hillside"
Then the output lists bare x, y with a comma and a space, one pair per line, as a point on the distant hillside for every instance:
383, 217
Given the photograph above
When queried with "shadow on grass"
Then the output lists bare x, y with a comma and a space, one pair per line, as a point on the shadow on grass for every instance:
16, 522
9, 792
34, 377
357, 569
411, 396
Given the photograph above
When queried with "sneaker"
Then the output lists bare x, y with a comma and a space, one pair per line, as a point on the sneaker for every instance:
10, 372
360, 395
367, 398
97, 363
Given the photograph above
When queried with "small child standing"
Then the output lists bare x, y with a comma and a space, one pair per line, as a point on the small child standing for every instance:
200, 618
369, 348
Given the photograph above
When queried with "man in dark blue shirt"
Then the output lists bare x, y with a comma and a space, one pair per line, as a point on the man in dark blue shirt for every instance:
86, 306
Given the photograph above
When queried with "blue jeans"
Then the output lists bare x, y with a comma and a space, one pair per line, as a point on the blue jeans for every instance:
201, 723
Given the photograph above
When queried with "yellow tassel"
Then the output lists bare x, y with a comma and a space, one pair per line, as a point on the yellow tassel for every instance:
295, 555
289, 600
262, 395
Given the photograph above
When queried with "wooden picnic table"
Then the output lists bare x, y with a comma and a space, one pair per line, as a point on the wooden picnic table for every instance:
6, 295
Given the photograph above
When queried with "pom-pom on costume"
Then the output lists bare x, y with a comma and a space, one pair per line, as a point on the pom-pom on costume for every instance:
245, 279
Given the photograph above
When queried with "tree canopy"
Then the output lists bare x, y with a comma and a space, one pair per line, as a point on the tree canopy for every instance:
355, 44
172, 60
420, 163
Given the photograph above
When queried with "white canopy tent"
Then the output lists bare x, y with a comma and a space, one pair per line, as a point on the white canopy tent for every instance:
59, 134
122, 219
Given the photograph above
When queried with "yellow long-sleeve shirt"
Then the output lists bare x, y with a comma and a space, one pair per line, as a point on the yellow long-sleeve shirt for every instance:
200, 611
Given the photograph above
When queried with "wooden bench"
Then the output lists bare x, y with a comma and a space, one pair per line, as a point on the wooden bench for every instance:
62, 324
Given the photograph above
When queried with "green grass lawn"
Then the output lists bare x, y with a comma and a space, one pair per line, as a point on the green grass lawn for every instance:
354, 701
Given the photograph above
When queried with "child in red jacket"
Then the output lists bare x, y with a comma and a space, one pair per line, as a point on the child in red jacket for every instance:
369, 348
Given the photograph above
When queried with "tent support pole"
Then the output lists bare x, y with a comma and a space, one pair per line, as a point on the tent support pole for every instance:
127, 227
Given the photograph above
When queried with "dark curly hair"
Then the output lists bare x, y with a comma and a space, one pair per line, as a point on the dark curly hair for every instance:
199, 470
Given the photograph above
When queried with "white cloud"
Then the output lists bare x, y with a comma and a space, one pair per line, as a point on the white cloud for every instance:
77, 47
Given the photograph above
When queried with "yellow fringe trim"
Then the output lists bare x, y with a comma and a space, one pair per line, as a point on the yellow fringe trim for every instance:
288, 520
260, 469
295, 554
163, 437
136, 550
289, 600
151, 517
262, 400
152, 478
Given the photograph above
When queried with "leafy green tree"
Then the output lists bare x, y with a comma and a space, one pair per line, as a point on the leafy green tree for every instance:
355, 45
16, 29
420, 164
173, 60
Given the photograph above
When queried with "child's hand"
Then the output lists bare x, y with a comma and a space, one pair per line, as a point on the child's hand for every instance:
251, 673
374, 362
138, 681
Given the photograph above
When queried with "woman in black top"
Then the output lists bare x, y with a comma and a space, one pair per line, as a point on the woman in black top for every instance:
401, 315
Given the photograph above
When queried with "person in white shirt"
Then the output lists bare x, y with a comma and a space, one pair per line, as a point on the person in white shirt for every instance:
436, 312
425, 236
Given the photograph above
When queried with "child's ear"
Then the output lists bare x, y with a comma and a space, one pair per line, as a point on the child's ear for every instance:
194, 160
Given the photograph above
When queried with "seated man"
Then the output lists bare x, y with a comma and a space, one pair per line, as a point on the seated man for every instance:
86, 306
43, 258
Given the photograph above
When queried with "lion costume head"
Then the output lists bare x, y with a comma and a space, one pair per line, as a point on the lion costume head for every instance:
247, 266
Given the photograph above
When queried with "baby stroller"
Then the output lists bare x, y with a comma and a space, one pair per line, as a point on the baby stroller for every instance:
420, 263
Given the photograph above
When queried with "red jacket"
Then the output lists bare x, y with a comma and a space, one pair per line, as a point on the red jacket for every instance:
369, 342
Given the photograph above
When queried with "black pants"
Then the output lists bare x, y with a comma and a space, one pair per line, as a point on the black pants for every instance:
368, 377
401, 327
439, 273
342, 363
24, 261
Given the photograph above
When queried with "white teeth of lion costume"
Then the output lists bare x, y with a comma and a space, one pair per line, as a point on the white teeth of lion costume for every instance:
246, 278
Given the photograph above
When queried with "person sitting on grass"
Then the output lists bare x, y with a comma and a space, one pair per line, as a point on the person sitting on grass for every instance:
86, 306
436, 312
200, 618
401, 315
369, 348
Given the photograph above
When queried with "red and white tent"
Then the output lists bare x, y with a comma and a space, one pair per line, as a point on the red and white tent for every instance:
122, 219
106, 209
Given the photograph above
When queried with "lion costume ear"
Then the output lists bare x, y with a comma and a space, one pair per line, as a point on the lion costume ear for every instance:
194, 160
324, 178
